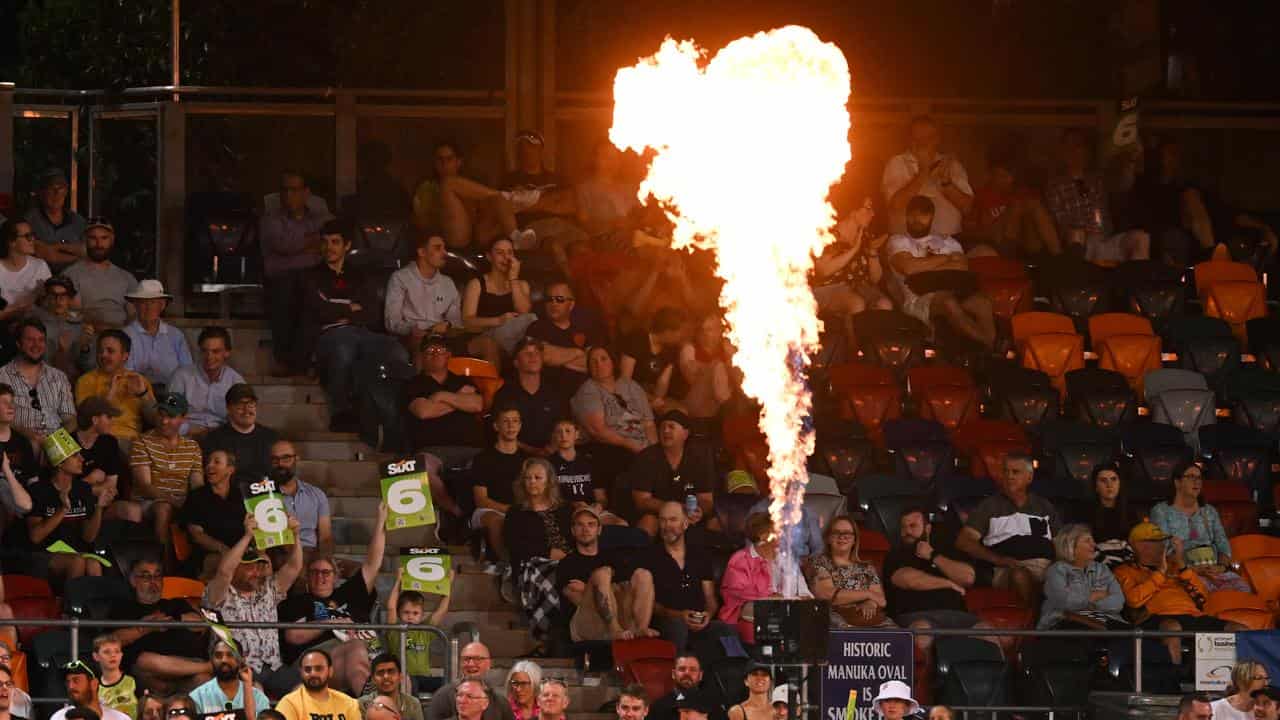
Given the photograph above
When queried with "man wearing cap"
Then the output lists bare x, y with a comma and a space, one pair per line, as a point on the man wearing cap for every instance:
541, 402
538, 195
894, 701
670, 471
1161, 592
694, 705
159, 348
100, 451
289, 238
242, 435
686, 674
612, 601
82, 690
244, 589
127, 390
42, 395
58, 227
205, 386
421, 300
64, 509
165, 465
1266, 703
780, 702
102, 284
226, 689
66, 346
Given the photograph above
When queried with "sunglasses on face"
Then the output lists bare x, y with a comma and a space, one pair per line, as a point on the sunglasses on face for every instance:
178, 712
559, 298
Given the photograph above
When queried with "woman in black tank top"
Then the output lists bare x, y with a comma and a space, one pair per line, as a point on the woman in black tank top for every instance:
759, 682
495, 303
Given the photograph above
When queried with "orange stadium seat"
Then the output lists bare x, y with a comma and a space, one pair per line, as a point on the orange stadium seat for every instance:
945, 394
1212, 272
1264, 573
1240, 607
873, 546
1237, 303
1006, 282
869, 394
987, 442
481, 372
1253, 545
1048, 342
180, 588
1126, 344
647, 661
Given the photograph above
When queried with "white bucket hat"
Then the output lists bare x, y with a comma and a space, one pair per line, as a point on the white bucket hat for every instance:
149, 290
779, 694
896, 690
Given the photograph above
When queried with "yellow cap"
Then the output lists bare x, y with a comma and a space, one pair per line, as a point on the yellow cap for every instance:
738, 481
1146, 531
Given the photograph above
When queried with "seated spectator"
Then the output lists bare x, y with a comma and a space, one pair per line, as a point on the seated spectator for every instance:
1079, 592
314, 697
687, 674
58, 228
685, 601
472, 215
1172, 210
479, 700
83, 689
614, 412
443, 408
1013, 532
22, 274
894, 701
339, 312
610, 599
607, 207
922, 170
302, 500
231, 687
289, 235
846, 277
494, 473
756, 573
241, 435
497, 305
541, 401
115, 688
128, 391
159, 349
152, 707
160, 658
536, 534
648, 356
523, 680
166, 466
1008, 216
565, 337
1077, 200
671, 471
1161, 593
206, 386
653, 279
387, 685
102, 284
67, 347
326, 603
244, 589
180, 706
806, 535
15, 502
64, 509
574, 471
926, 586
1192, 524
422, 300
545, 206
757, 706
17, 450
1108, 514
99, 450
703, 367
42, 395
841, 578
410, 607
932, 295
1247, 677
214, 513
15, 704
553, 699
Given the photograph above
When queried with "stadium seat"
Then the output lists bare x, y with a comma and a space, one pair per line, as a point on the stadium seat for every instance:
873, 546
1151, 451
654, 674
945, 394
845, 459
1264, 574
50, 651
23, 586
181, 588
1101, 397
971, 672
1244, 608
1153, 290
1159, 674
1216, 270
1181, 398
1025, 396
1264, 341
1125, 343
1237, 303
1253, 394
1055, 671
891, 339
960, 493
1239, 517
1205, 345
977, 599
986, 442
823, 498
480, 372
32, 607
882, 498
1008, 618
90, 597
1254, 545
1239, 457
1078, 290
1069, 451
920, 450
180, 541
1048, 342
727, 674
626, 652
869, 394
1005, 282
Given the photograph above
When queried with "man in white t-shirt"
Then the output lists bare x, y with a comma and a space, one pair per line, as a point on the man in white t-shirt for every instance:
919, 251
922, 170
82, 689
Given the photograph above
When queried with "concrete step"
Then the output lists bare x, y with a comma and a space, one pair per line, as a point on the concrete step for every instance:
314, 447
333, 473
288, 393
507, 643
293, 419
362, 507
484, 618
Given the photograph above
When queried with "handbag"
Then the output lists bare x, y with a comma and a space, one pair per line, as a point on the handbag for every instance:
854, 617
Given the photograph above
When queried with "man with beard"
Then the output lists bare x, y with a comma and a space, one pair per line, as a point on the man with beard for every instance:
226, 689
82, 689
169, 658
314, 699
687, 674
931, 281
386, 684
245, 590
612, 603
925, 587
302, 500
685, 591
42, 395
101, 283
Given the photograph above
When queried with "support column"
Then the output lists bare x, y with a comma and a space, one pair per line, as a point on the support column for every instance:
530, 72
547, 88
171, 192
6, 138
345, 150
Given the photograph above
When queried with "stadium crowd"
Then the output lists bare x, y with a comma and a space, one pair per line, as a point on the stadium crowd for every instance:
568, 381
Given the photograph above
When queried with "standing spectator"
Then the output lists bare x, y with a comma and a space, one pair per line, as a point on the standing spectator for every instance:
244, 589
41, 393
495, 471
565, 338
214, 513
302, 500
607, 203
422, 300
68, 348
523, 680
82, 689
231, 687
648, 356
57, 226
1247, 677
1013, 531
289, 236
687, 676
1077, 199
22, 274
471, 214
129, 392
536, 533
685, 601
326, 604
1007, 216
703, 366
165, 465
314, 698
541, 402
671, 471
64, 509
1108, 514
339, 311
242, 436
160, 657
206, 387
102, 284
841, 578
616, 416
611, 600
755, 573
497, 305
1080, 592
926, 586
386, 684
480, 700
922, 170
159, 348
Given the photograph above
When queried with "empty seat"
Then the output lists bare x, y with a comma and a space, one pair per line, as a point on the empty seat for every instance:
1264, 341
1101, 397
1253, 395
1253, 545
1244, 608
987, 442
873, 546
1055, 671
1024, 396
1205, 345
960, 493
1078, 290
1264, 574
1125, 343
1151, 452
1048, 342
1231, 291
891, 338
1005, 282
632, 657
971, 672
843, 451
1153, 290
943, 393
868, 394
1239, 517
1238, 463
181, 588
1212, 272
920, 450
1181, 398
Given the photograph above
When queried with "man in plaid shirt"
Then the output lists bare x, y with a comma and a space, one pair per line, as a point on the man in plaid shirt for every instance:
1077, 201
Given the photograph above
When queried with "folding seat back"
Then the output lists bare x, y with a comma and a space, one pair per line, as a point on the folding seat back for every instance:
971, 672
1240, 607
633, 658
1008, 618
1055, 671
1153, 290
960, 493
891, 338
1025, 396
873, 546
1264, 341
996, 267
1125, 343
1186, 409
1040, 323
1237, 457
1237, 303
945, 394
1079, 302
1009, 296
868, 394
1151, 452
1253, 545
21, 586
1107, 325
1101, 397
1239, 517
1212, 272
987, 442
1054, 354
1253, 395
920, 449
1069, 451
483, 373
1264, 574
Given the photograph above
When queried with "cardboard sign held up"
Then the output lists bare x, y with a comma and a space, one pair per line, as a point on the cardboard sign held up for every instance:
408, 494
266, 505
426, 570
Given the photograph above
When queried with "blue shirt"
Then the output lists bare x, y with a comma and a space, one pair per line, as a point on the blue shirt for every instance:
210, 699
1200, 529
806, 535
1067, 589
207, 399
157, 356
308, 503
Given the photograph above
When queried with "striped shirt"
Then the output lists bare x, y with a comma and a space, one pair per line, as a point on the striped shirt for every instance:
52, 393
171, 466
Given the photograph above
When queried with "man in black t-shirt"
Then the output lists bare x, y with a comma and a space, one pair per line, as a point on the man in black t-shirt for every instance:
242, 436
925, 587
637, 358
613, 601
494, 472
441, 408
22, 457
330, 606
564, 339
685, 601
686, 673
167, 659
670, 471
540, 401
100, 451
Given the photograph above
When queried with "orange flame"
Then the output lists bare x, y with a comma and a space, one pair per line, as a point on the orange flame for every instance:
747, 149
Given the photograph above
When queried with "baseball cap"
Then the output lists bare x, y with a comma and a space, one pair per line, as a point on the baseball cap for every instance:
779, 694
99, 222
251, 555
695, 700
51, 176
589, 510
240, 392
533, 137
434, 339
92, 407
1271, 691
755, 667
173, 404
60, 281
739, 481
675, 416
1146, 531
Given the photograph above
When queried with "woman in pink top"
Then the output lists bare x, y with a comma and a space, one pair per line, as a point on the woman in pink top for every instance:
752, 574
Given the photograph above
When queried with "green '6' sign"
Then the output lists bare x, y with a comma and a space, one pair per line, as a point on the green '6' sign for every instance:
267, 507
407, 494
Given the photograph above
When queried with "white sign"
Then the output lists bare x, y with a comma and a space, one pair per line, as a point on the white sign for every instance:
1215, 656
